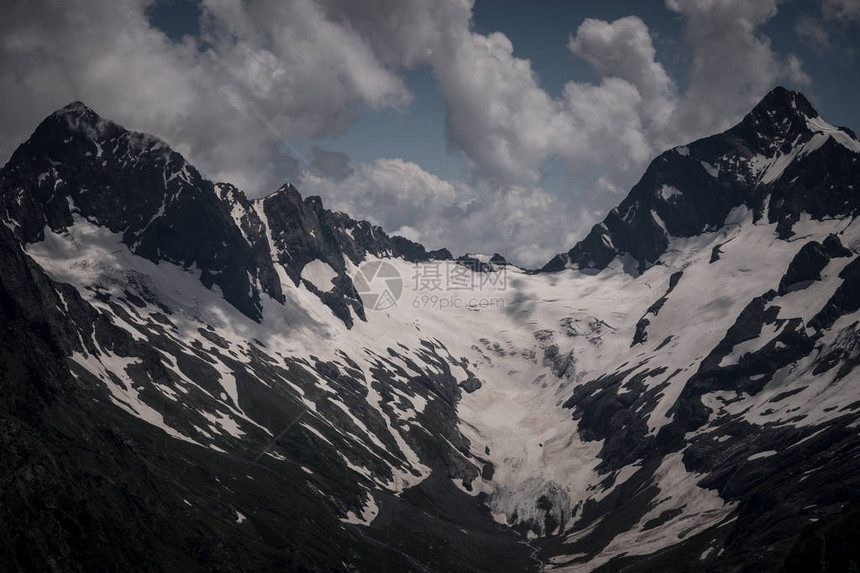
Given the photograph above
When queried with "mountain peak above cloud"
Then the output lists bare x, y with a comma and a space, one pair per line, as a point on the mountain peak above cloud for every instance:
770, 162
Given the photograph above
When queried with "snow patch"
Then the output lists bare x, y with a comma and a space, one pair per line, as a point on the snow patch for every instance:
668, 192
319, 274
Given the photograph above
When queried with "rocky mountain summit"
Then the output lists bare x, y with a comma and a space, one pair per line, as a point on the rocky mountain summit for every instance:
132, 183
190, 379
781, 161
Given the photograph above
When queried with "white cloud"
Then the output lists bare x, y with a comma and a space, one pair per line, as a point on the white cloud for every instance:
268, 72
608, 126
733, 64
527, 223
623, 49
497, 113
510, 127
293, 54
410, 33
390, 192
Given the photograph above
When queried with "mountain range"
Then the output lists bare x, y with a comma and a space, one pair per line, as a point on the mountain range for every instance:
191, 379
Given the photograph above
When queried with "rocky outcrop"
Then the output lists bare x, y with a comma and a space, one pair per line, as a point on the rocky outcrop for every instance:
805, 268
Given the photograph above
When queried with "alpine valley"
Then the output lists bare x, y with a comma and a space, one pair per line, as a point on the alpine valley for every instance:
190, 381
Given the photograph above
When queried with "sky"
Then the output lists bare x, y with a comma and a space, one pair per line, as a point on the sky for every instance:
478, 125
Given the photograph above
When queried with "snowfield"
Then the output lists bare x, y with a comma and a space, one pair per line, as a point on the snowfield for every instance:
683, 377
516, 420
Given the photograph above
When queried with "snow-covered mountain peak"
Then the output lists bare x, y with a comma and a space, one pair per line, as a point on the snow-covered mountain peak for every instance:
783, 127
77, 164
781, 161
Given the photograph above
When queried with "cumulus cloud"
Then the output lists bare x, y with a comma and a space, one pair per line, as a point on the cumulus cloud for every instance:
293, 54
389, 192
510, 127
794, 71
265, 73
733, 63
605, 132
410, 33
497, 113
624, 49
409, 201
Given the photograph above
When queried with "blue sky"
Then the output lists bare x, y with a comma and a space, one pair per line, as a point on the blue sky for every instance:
495, 125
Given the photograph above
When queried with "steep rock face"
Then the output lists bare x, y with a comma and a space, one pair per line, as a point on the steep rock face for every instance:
77, 163
292, 232
303, 230
89, 365
746, 411
782, 160
749, 423
805, 267
254, 231
86, 487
